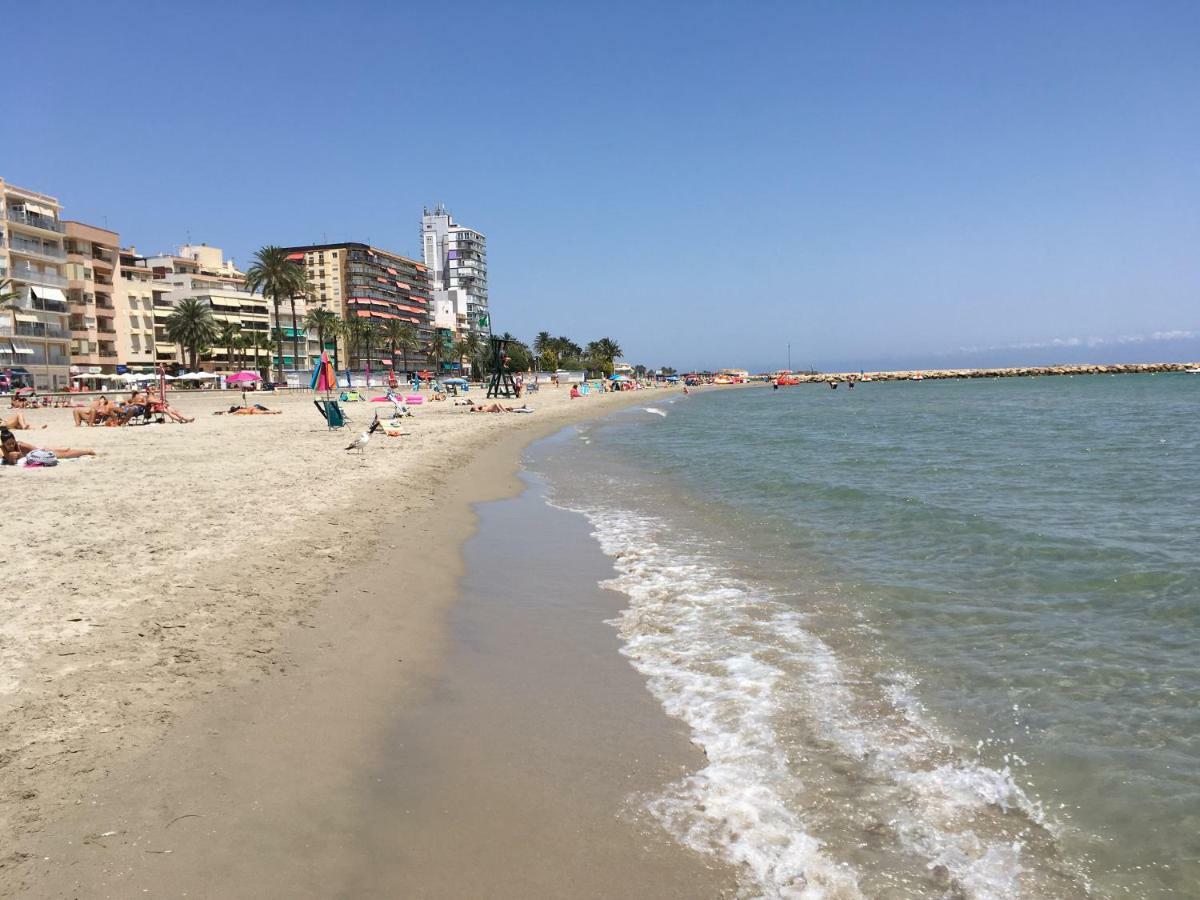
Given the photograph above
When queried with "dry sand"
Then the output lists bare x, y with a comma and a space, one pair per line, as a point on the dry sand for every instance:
152, 590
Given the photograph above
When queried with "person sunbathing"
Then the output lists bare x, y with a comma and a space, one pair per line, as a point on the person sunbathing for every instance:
162, 407
17, 422
256, 410
15, 450
497, 408
98, 411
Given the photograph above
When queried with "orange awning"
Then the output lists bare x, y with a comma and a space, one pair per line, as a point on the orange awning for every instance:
295, 256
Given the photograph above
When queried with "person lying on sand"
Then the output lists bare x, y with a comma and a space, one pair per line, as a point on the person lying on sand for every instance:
15, 450
256, 410
497, 408
17, 422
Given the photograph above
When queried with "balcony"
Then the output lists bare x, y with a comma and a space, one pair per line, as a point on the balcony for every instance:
55, 306
39, 277
41, 330
35, 248
108, 354
35, 221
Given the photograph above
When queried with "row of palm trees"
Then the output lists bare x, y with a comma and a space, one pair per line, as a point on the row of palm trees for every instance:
192, 326
563, 353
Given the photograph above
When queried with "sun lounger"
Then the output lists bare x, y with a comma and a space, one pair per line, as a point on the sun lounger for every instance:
332, 413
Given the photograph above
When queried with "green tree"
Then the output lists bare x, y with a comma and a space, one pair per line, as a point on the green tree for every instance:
192, 327
260, 342
468, 348
400, 336
277, 277
355, 330
603, 352
433, 353
243, 343
370, 337
227, 336
9, 295
325, 322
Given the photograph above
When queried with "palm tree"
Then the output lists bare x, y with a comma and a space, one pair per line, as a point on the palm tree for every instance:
468, 347
604, 351
354, 330
228, 334
433, 352
260, 342
242, 344
337, 328
370, 337
400, 336
191, 326
277, 277
542, 342
304, 289
8, 296
325, 322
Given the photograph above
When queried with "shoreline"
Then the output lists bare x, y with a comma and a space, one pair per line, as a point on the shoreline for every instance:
84, 816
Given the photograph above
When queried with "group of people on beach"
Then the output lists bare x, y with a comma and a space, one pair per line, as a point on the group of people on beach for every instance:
140, 405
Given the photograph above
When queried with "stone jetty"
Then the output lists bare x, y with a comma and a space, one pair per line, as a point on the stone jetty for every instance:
1016, 372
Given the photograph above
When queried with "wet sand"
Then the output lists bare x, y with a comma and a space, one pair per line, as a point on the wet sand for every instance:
293, 786
520, 774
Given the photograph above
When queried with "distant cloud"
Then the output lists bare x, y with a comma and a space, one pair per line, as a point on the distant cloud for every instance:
1053, 343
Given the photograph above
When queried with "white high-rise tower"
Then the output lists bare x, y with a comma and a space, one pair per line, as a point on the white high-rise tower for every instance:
456, 257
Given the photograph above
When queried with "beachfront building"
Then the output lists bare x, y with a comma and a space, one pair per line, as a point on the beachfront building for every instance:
35, 337
361, 282
202, 272
93, 301
456, 257
137, 293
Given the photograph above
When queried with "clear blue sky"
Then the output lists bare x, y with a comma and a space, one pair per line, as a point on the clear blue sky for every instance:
704, 182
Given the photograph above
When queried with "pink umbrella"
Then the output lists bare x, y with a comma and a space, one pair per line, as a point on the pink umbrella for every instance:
242, 378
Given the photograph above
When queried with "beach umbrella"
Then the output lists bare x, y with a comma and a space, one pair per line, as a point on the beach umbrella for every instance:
324, 378
243, 377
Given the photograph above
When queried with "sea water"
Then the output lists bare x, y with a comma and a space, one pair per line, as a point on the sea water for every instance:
936, 639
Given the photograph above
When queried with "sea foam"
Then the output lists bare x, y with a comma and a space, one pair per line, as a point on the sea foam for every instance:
725, 658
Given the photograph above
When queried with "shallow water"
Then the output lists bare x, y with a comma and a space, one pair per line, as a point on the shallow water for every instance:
936, 639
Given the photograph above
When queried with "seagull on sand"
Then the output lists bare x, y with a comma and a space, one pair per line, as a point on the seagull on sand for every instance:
360, 442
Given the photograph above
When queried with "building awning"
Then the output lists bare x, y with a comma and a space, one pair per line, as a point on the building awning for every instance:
25, 317
48, 293
295, 256
393, 271
21, 348
38, 210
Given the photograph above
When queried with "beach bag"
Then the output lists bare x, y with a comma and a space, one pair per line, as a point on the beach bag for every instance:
41, 458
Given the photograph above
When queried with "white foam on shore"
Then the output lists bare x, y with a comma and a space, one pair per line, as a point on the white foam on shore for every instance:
655, 410
723, 657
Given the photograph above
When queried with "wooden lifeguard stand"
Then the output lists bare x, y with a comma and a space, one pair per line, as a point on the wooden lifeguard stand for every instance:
501, 383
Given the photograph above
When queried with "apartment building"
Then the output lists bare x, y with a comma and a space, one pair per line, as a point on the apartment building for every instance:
456, 257
35, 337
138, 294
358, 281
202, 272
92, 270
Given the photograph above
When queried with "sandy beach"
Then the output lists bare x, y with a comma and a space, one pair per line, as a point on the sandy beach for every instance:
216, 617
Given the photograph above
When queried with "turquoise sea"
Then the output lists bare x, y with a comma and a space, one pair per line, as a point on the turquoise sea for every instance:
936, 639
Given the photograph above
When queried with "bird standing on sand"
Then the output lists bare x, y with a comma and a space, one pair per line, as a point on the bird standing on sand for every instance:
360, 442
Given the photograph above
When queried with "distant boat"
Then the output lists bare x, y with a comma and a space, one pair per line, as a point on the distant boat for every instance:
1192, 371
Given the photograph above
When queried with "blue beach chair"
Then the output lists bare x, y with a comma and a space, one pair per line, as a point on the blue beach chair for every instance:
332, 413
